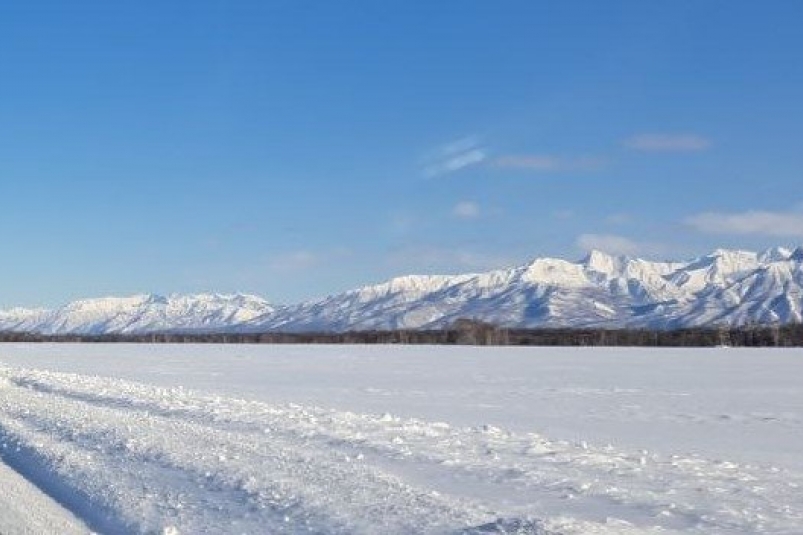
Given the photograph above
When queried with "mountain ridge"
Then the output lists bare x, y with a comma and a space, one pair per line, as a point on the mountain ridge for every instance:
724, 287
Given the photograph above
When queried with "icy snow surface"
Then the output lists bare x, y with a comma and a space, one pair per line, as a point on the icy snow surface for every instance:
378, 439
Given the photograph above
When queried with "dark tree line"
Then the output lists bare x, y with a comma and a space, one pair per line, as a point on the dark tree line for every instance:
468, 332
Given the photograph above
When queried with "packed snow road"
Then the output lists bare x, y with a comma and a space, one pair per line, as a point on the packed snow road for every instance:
114, 455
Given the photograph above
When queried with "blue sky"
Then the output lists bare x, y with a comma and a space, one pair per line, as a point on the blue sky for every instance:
295, 149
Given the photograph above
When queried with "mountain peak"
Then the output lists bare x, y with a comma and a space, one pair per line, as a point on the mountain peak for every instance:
554, 271
602, 262
602, 290
732, 253
775, 254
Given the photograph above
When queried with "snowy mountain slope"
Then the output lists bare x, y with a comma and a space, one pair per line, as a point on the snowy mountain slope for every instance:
401, 302
138, 314
599, 291
723, 287
771, 293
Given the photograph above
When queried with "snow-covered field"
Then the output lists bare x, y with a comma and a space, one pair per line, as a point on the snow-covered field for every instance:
387, 440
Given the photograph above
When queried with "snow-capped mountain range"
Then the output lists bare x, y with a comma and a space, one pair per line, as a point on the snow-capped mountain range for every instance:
725, 287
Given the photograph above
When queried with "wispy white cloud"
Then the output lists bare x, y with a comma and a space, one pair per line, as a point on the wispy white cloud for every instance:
668, 143
618, 245
466, 210
464, 144
547, 163
755, 222
455, 156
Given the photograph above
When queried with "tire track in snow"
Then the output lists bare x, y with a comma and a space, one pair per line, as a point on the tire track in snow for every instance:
25, 510
468, 455
140, 472
196, 462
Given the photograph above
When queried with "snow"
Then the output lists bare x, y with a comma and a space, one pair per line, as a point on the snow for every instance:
723, 288
392, 439
24, 509
139, 313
